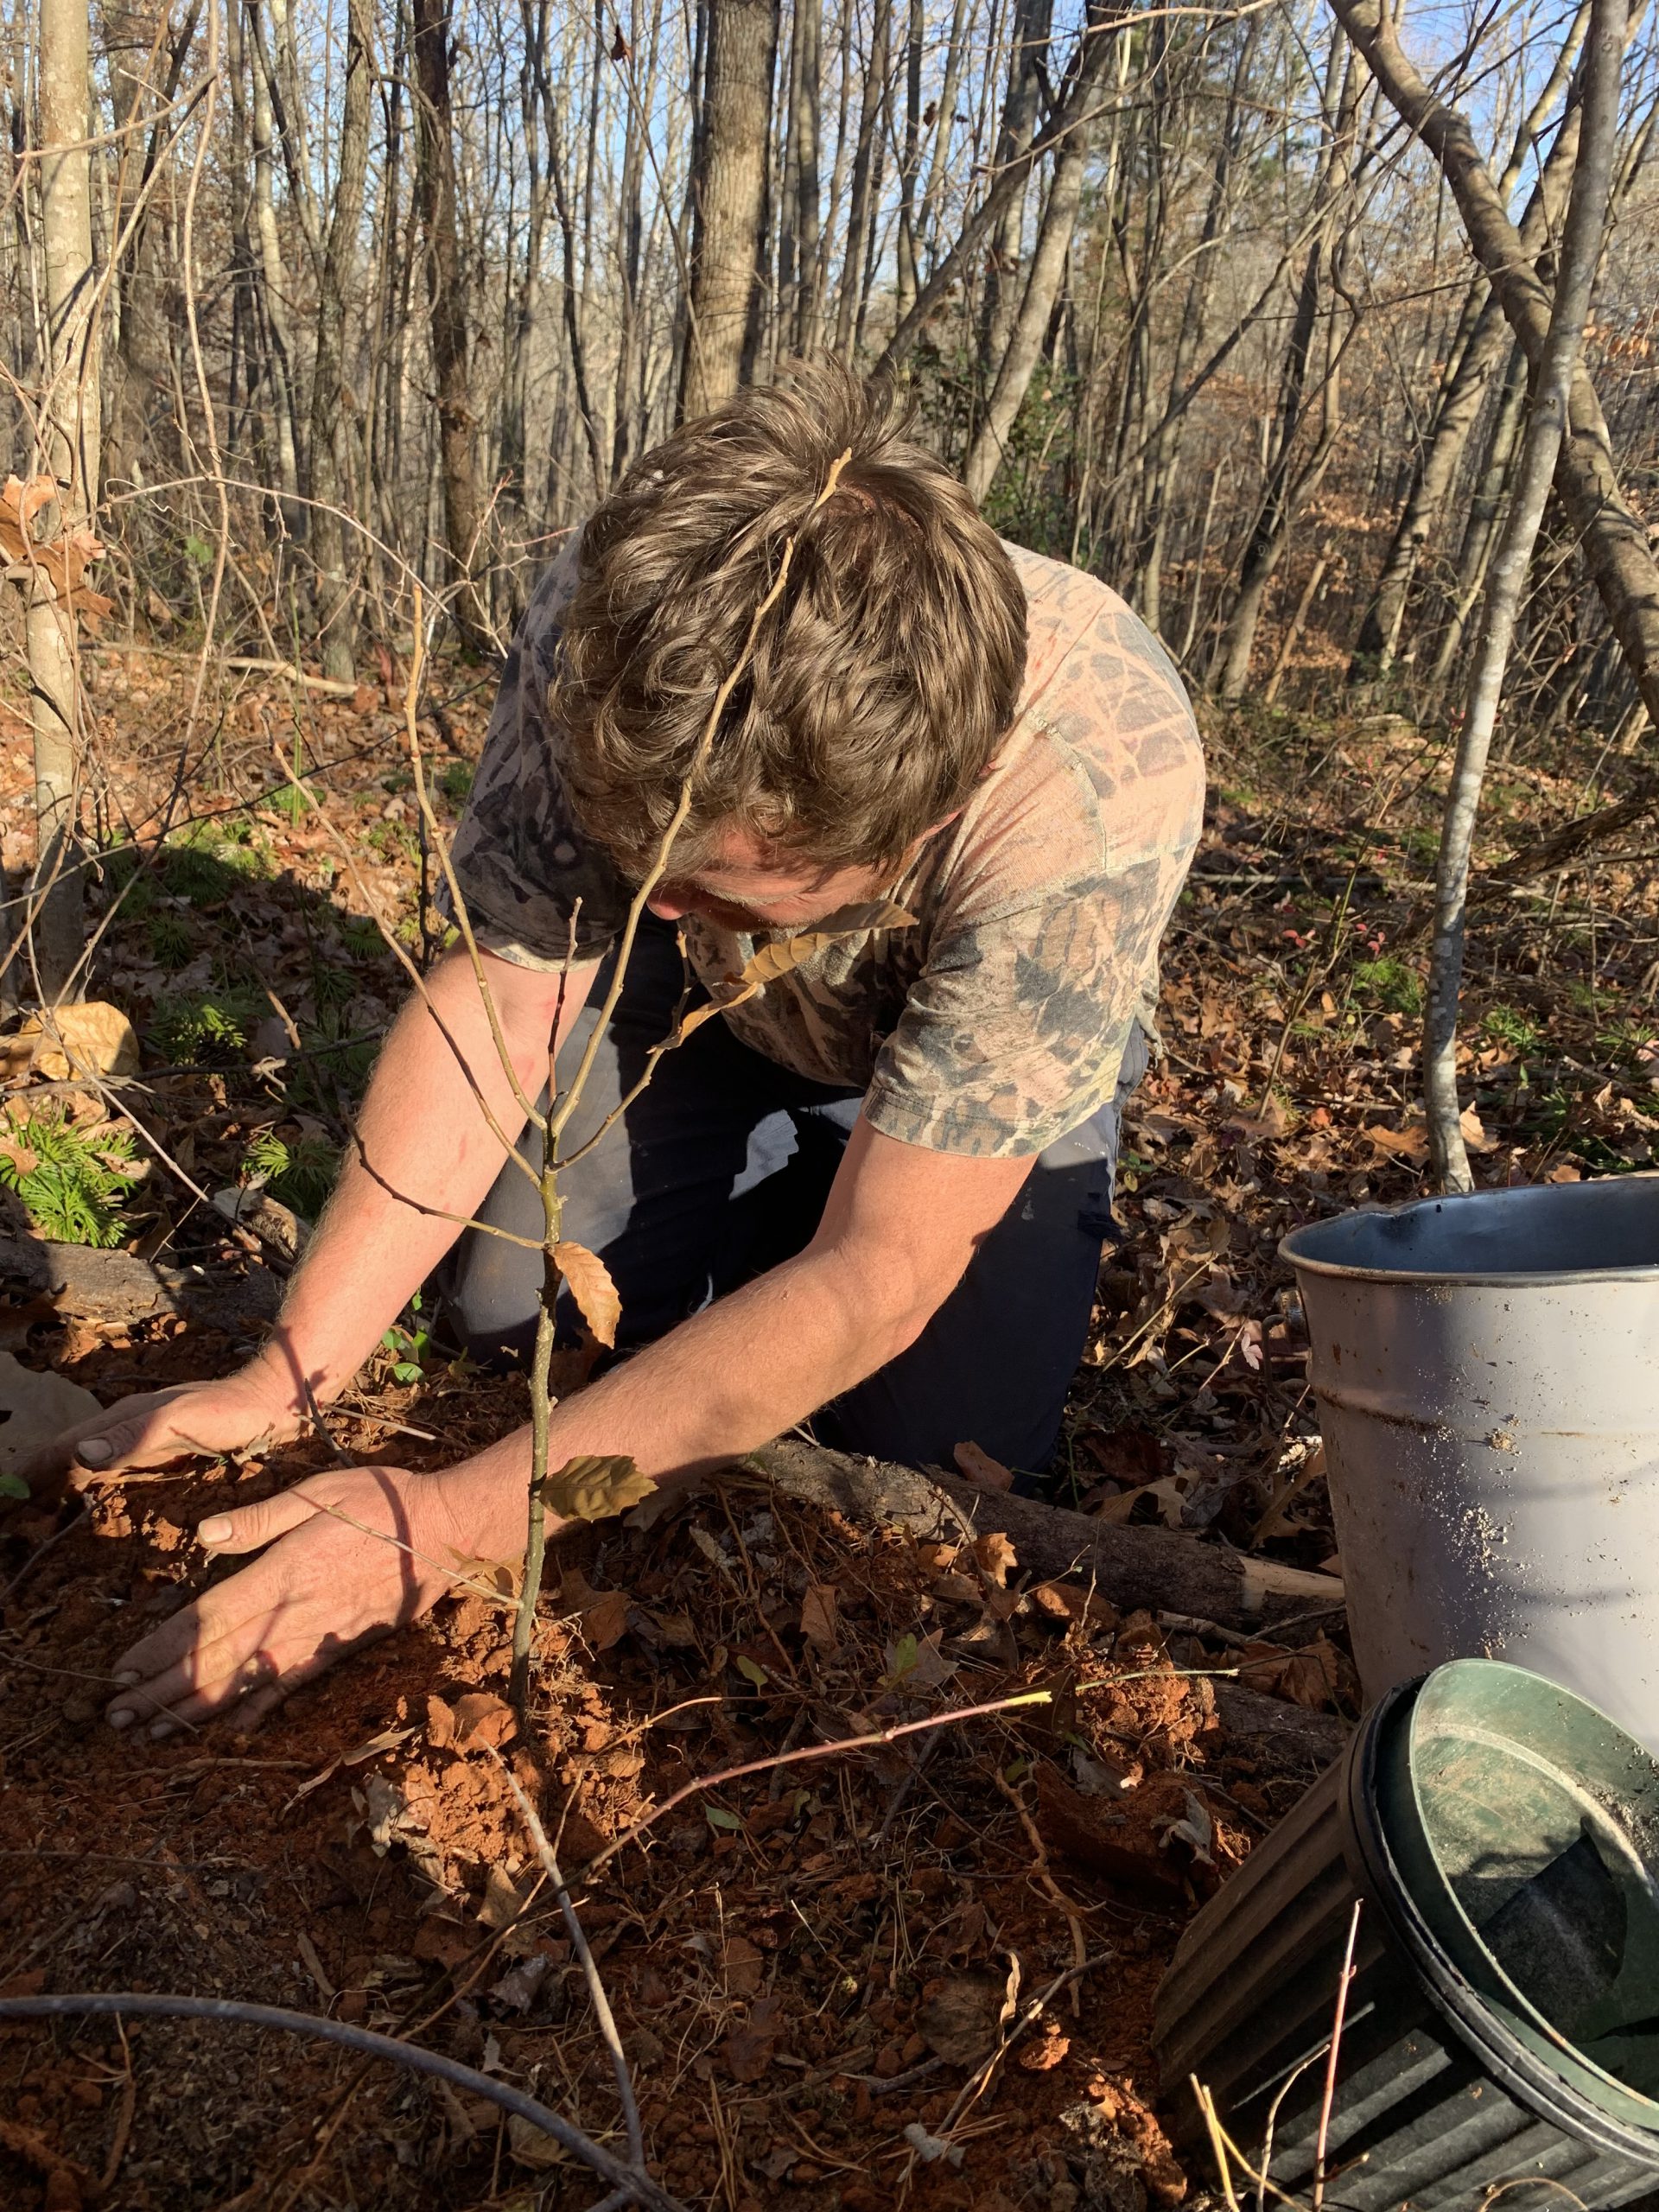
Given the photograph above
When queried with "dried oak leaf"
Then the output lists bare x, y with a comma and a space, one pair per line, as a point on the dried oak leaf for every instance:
94, 1036
768, 962
595, 1486
996, 1556
588, 1280
748, 2049
979, 1468
961, 2016
820, 1618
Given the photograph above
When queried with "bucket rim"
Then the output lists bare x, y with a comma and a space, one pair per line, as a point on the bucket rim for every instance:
1510, 1279
1539, 2083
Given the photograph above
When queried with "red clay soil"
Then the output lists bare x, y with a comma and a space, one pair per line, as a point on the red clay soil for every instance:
804, 1964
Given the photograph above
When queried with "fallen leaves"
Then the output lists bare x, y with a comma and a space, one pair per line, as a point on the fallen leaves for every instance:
979, 1468
479, 1721
748, 2049
88, 1037
820, 1617
963, 2015
34, 1408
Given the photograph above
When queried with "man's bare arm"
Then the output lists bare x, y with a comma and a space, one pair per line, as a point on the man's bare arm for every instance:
427, 1152
900, 1227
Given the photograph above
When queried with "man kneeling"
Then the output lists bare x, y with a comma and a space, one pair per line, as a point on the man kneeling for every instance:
872, 1192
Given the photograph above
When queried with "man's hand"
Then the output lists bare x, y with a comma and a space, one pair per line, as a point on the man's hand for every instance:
358, 1554
203, 1419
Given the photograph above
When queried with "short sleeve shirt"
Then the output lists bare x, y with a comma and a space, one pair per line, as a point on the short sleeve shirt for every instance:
998, 1023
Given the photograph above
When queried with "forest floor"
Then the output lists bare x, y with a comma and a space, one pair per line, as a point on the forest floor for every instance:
809, 1964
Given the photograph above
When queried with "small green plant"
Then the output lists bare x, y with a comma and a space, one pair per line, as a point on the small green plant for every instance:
72, 1185
170, 941
360, 936
301, 1174
293, 802
1509, 1027
454, 780
198, 1032
207, 861
334, 987
1388, 982
409, 1345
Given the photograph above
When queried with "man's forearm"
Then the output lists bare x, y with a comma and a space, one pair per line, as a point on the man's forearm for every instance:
724, 1381
424, 1153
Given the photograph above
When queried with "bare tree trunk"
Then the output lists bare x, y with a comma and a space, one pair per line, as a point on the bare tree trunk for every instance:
1485, 507
446, 302
731, 199
1613, 537
142, 61
806, 156
863, 192
1043, 279
909, 162
1027, 55
1557, 370
1471, 370
335, 427
69, 430
1286, 486
273, 297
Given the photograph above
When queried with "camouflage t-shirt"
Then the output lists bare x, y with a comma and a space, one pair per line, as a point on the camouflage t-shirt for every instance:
998, 1022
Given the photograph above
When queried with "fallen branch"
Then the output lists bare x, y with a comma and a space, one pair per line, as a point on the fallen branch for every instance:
1564, 845
1133, 1568
597, 1996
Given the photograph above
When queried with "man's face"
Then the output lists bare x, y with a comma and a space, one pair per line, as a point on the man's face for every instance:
746, 886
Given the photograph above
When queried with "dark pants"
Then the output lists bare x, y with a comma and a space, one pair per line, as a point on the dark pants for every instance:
719, 1170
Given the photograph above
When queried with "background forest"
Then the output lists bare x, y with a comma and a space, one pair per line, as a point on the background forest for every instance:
383, 289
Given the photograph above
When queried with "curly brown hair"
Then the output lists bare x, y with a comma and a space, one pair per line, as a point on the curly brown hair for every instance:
881, 684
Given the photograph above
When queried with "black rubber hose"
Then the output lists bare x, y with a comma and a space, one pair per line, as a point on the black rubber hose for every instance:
628, 2182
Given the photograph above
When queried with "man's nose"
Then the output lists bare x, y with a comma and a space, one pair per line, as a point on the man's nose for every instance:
668, 906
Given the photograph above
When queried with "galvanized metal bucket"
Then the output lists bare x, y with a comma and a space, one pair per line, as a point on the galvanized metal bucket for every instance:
1487, 1368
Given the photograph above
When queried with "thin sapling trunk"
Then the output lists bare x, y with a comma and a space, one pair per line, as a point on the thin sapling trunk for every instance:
1545, 426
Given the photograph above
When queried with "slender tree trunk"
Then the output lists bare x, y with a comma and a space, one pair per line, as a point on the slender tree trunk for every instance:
273, 296
909, 162
1556, 373
335, 427
806, 155
1027, 54
70, 423
1047, 269
1485, 508
1469, 377
731, 199
863, 190
446, 302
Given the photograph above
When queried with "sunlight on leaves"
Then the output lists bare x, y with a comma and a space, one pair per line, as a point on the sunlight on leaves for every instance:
594, 1486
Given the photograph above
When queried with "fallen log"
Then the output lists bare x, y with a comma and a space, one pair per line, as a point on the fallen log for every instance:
1134, 1567
1284, 1731
75, 1281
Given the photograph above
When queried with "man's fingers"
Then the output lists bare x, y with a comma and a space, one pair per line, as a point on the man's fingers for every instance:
252, 1526
119, 1435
